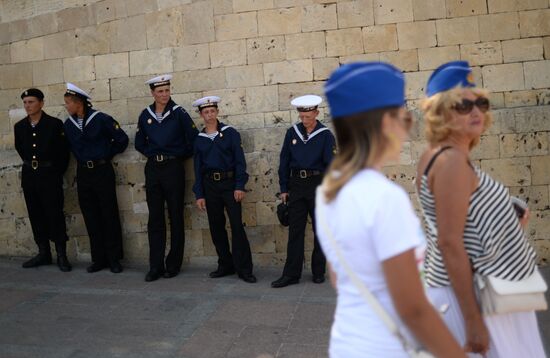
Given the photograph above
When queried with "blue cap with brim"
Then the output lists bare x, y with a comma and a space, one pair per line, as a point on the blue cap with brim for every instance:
364, 86
450, 75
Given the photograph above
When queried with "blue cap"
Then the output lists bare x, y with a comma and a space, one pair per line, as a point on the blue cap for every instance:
450, 75
364, 86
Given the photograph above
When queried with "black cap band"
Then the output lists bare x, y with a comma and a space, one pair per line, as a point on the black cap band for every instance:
33, 92
159, 84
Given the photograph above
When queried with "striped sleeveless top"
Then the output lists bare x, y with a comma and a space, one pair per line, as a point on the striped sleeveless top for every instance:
493, 237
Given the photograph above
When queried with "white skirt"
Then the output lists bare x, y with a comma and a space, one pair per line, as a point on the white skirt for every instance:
511, 335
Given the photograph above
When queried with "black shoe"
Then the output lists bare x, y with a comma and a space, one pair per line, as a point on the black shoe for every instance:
318, 278
63, 263
170, 274
116, 267
221, 273
284, 281
95, 267
38, 260
153, 275
248, 277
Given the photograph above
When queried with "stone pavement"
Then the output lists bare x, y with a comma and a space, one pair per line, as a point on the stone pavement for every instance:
46, 313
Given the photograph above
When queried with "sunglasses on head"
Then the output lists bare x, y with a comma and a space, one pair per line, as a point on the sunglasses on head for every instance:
466, 106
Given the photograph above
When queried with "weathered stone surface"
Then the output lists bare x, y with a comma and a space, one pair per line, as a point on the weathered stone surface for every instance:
262, 99
5, 54
251, 5
16, 76
27, 51
523, 145
499, 27
72, 18
128, 34
60, 45
406, 60
323, 67
392, 11
306, 45
355, 13
279, 21
198, 23
192, 57
515, 5
537, 74
244, 76
506, 77
93, 40
265, 49
416, 34
47, 72
319, 17
456, 8
431, 58
485, 53
79, 69
198, 80
522, 50
534, 23
44, 24
130, 87
512, 172
236, 26
228, 53
457, 31
164, 28
288, 71
428, 9
379, 38
540, 167
112, 65
151, 62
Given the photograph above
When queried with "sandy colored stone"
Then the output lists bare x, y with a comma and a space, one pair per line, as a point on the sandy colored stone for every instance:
104, 11
415, 84
5, 37
515, 5
228, 53
457, 8
198, 80
520, 98
305, 45
499, 26
138, 7
112, 65
27, 51
323, 67
279, 21
47, 72
164, 28
344, 42
98, 90
266, 49
537, 74
44, 24
406, 60
416, 34
93, 40
392, 11
457, 31
534, 23
319, 17
192, 57
482, 53
428, 9
522, 50
362, 57
72, 18
509, 171
288, 91
5, 54
60, 45
277, 119
380, 38
233, 101
288, 71
16, 76
355, 13
262, 99
540, 167
506, 77
251, 5
244, 76
236, 26
130, 87
198, 23
128, 34
431, 58
523, 144
546, 42
246, 121
149, 62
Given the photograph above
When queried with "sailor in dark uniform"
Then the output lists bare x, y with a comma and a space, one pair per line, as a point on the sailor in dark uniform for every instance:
41, 144
95, 138
220, 179
165, 135
307, 151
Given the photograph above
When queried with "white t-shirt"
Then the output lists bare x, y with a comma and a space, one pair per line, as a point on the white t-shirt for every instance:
372, 220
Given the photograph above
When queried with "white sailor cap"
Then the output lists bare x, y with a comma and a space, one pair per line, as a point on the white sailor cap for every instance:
208, 101
78, 92
159, 81
306, 103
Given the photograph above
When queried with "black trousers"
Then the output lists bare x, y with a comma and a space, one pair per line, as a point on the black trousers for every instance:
98, 202
219, 195
301, 204
165, 182
43, 191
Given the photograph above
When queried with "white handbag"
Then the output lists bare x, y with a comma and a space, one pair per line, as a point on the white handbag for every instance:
497, 296
371, 299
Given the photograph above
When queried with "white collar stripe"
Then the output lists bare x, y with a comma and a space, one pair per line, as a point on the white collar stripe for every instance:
313, 134
90, 118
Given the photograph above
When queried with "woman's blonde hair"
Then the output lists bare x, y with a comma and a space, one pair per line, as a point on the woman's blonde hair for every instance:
437, 114
360, 144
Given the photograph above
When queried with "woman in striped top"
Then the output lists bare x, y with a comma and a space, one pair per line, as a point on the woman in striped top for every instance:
471, 224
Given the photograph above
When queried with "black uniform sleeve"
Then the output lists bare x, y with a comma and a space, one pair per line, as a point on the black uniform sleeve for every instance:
18, 140
190, 132
241, 177
329, 150
284, 163
197, 166
62, 154
119, 138
140, 142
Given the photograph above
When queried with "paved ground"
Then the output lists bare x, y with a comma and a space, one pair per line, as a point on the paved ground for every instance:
45, 313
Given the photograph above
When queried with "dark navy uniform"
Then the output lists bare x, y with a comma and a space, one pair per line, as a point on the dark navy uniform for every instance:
166, 144
94, 142
45, 154
303, 161
220, 169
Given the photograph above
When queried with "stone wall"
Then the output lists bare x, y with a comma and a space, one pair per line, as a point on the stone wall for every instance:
256, 55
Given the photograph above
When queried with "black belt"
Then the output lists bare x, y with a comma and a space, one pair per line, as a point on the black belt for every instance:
218, 176
35, 164
91, 164
304, 173
159, 158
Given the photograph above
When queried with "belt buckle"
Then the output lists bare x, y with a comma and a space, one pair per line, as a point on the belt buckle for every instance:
159, 158
303, 174
90, 164
217, 176
34, 164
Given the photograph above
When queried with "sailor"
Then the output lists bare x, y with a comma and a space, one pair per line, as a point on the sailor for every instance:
220, 179
41, 144
307, 151
165, 135
95, 138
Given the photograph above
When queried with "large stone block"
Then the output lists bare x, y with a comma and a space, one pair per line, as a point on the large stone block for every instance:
288, 71
355, 13
515, 5
117, 109
233, 101
112, 65
266, 49
392, 11
28, 50
406, 60
269, 139
5, 54
5, 37
78, 69
380, 38
506, 77
535, 196
104, 11
262, 99
537, 74
415, 84
236, 26
344, 42
509, 171
228, 53
138, 7
279, 21
164, 29
131, 87
540, 167
244, 76
520, 98
457, 31
305, 45
488, 148
47, 72
98, 90
522, 50
44, 24
431, 58
198, 23
75, 17
499, 27
523, 144
93, 40
288, 91
323, 67
60, 45
416, 34
457, 8
198, 80
251, 5
277, 119
128, 34
319, 17
246, 121
192, 57
149, 62
16, 76
485, 53
428, 9
534, 23
546, 42
532, 119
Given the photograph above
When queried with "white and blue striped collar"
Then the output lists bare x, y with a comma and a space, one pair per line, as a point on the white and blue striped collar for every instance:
311, 135
86, 121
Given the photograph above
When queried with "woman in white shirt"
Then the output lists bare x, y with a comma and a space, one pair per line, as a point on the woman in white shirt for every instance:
372, 221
